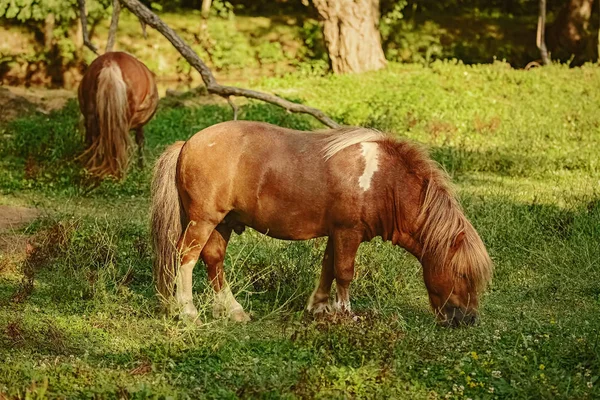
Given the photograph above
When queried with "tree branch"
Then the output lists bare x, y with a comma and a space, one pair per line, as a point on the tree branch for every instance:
233, 107
114, 24
143, 25
83, 17
147, 16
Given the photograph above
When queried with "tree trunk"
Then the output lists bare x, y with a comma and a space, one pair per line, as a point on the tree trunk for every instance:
49, 32
351, 35
205, 13
114, 24
541, 35
206, 8
570, 30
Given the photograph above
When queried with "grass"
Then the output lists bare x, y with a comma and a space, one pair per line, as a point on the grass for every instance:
522, 149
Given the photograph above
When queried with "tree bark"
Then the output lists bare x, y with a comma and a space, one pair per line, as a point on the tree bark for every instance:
351, 35
148, 17
541, 33
570, 30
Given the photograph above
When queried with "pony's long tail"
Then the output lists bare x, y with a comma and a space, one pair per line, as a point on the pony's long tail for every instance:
109, 153
166, 220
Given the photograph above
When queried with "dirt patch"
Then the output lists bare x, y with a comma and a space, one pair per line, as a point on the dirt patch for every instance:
17, 101
13, 245
15, 217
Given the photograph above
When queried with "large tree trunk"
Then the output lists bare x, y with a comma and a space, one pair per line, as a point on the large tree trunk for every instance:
351, 35
569, 33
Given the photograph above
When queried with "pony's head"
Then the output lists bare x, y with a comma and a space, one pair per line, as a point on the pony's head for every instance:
456, 265
455, 282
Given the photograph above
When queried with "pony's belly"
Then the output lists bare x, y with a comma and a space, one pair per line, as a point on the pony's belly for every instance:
285, 227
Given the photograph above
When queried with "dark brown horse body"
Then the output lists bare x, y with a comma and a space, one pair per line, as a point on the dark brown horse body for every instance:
117, 94
350, 184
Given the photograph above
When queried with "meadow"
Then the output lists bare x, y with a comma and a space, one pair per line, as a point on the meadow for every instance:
522, 148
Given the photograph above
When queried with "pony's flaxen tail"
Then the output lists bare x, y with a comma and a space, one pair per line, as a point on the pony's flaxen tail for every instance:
109, 154
166, 216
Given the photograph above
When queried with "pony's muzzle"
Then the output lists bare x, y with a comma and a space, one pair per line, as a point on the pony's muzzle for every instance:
454, 317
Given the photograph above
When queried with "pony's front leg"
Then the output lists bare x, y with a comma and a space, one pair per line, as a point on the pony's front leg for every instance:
318, 302
345, 245
213, 255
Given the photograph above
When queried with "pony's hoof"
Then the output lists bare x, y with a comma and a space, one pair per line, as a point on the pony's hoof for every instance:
235, 315
191, 318
320, 309
239, 316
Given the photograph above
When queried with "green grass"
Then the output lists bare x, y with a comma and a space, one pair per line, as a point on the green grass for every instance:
522, 148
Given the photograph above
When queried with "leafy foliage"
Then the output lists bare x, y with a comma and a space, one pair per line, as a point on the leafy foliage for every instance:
527, 175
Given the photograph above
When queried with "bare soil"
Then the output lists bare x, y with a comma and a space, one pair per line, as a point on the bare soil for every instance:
16, 101
13, 244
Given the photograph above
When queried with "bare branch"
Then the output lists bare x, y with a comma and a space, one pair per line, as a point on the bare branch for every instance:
114, 24
143, 24
83, 17
144, 14
233, 107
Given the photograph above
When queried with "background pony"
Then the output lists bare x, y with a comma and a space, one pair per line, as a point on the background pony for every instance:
349, 184
117, 94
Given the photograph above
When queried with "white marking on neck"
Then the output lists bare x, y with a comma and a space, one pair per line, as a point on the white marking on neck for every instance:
370, 153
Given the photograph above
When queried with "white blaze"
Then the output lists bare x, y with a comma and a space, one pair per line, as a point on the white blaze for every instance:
370, 153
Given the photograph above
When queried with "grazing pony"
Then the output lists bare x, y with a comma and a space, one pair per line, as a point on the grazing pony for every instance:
349, 184
117, 94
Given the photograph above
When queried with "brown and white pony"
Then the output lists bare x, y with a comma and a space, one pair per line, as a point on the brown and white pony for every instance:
349, 184
117, 94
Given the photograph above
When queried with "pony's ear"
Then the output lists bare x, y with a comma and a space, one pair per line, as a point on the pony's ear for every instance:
460, 236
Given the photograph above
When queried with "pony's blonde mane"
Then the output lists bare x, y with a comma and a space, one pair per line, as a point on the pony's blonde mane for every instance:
442, 219
339, 139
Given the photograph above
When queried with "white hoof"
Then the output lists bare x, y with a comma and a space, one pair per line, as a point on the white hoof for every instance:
320, 308
343, 306
189, 313
239, 315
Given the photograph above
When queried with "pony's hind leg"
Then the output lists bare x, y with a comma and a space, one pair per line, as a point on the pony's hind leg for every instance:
191, 243
213, 255
318, 302
139, 140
